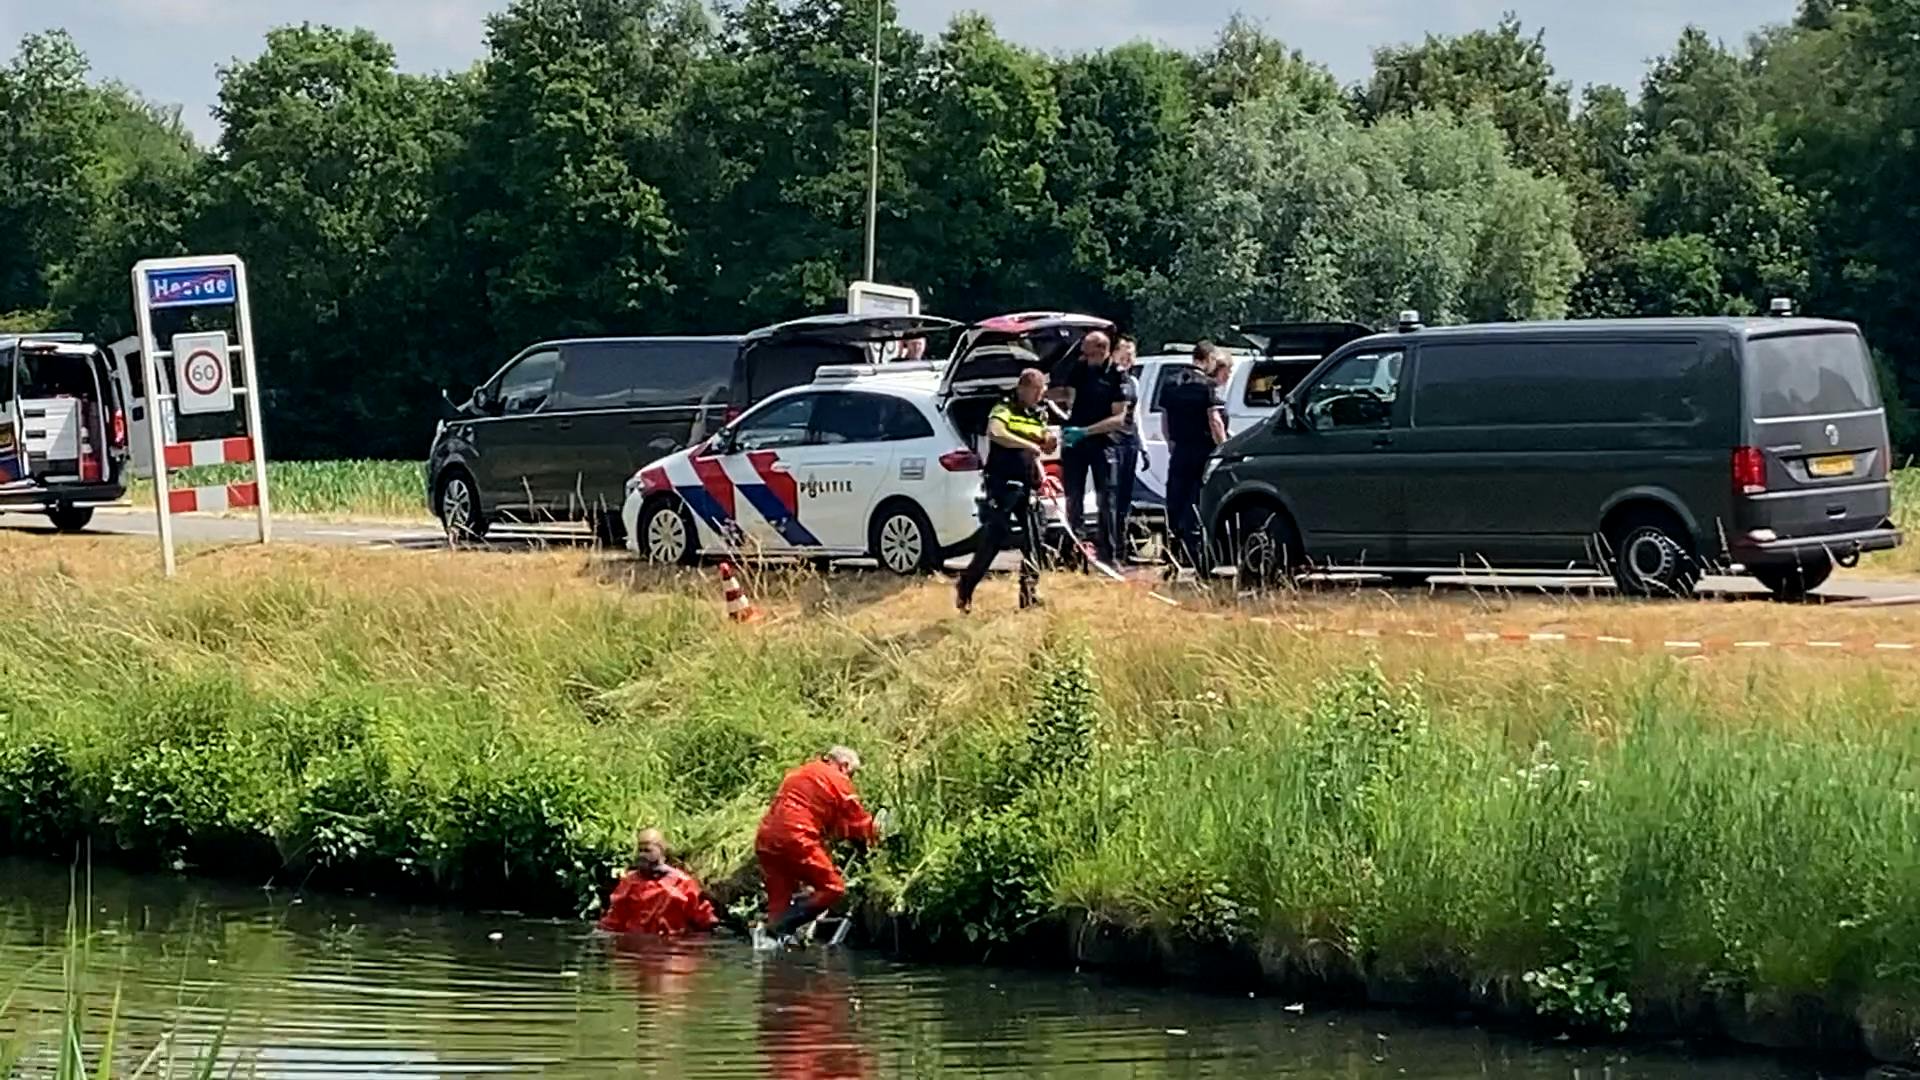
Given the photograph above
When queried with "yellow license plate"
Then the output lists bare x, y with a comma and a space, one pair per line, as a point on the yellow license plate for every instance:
1831, 466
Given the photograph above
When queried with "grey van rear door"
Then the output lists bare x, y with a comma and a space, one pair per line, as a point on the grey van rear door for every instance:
1814, 413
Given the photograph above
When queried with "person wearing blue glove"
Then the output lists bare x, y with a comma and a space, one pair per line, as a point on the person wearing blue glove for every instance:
1101, 400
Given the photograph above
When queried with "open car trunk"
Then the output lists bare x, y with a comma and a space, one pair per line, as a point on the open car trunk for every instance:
59, 410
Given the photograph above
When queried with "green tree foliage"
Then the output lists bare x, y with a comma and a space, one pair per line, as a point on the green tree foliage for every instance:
1311, 215
51, 149
652, 166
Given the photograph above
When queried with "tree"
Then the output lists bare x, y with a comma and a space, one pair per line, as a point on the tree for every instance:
1246, 63
978, 183
50, 157
572, 112
326, 183
1306, 215
1116, 172
1704, 172
1503, 70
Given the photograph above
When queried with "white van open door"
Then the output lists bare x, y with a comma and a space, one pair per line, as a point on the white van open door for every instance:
130, 373
13, 448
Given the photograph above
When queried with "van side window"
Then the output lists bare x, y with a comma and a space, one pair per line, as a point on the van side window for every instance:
1357, 392
776, 367
1501, 383
641, 375
1270, 380
525, 386
1161, 377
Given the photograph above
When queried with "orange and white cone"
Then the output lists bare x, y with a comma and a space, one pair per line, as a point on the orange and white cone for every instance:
739, 608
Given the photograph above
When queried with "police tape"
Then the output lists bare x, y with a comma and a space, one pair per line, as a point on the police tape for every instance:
1686, 646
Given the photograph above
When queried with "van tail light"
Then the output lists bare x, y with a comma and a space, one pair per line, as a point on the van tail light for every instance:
1749, 471
119, 429
960, 461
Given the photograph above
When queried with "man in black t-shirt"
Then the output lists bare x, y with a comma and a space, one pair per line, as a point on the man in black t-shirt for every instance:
1195, 414
1102, 400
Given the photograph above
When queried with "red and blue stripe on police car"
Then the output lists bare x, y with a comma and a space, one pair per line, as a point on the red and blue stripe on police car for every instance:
713, 493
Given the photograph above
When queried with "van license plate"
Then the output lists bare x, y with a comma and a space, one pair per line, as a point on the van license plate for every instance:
1831, 466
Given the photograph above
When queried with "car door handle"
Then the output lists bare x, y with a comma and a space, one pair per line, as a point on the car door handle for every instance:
781, 467
566, 425
1382, 440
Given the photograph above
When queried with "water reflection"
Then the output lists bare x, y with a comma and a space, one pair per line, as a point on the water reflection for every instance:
807, 1021
311, 987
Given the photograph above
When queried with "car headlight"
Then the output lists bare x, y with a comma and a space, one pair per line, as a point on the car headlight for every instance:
1206, 474
634, 483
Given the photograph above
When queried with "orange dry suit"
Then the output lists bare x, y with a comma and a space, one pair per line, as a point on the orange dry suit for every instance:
816, 803
664, 901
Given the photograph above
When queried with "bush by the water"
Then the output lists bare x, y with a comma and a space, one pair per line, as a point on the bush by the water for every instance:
1595, 837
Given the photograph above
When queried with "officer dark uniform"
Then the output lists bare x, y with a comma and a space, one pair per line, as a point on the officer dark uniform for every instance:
1096, 390
1011, 479
1189, 399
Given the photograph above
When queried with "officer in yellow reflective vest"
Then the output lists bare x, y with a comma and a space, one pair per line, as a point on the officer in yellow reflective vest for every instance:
1017, 435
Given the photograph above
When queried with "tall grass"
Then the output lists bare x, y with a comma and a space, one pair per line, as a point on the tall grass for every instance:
1597, 837
381, 490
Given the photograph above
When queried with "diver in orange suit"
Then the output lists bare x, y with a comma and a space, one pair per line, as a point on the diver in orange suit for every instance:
655, 897
816, 804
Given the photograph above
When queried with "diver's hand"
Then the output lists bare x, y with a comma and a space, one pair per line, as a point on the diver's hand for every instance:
883, 822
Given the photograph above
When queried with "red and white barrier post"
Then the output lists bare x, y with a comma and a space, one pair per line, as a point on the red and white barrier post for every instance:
201, 366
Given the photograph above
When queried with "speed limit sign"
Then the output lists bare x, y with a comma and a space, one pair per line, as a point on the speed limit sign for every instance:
202, 373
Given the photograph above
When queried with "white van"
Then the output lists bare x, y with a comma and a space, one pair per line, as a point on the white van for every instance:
1276, 357
63, 428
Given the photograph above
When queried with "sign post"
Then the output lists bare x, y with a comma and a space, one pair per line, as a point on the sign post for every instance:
872, 298
202, 368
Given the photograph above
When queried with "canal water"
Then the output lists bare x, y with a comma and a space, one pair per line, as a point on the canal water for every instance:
325, 986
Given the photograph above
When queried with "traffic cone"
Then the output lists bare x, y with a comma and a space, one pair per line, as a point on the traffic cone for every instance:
739, 608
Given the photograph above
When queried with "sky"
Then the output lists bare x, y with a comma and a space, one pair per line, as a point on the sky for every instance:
170, 50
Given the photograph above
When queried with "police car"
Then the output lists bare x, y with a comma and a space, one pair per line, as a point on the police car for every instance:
877, 461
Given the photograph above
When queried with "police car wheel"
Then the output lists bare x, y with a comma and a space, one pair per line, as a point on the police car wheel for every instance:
666, 534
902, 540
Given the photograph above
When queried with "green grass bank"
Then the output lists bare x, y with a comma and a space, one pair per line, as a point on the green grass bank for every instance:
1587, 841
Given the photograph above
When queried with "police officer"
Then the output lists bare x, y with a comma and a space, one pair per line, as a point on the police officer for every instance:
1195, 420
1017, 436
1127, 449
1102, 399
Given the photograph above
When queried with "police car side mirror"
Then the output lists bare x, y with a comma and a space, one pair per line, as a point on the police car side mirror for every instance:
483, 399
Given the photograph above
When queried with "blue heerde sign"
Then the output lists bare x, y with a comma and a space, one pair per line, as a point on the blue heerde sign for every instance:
191, 286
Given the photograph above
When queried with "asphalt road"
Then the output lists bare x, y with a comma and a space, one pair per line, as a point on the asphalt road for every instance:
197, 529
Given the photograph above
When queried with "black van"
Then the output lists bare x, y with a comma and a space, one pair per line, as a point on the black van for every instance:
1655, 449
63, 428
556, 432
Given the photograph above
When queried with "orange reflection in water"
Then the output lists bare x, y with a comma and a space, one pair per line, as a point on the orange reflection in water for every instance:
808, 1025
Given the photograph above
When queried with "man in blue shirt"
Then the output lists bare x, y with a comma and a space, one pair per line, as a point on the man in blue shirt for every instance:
1101, 399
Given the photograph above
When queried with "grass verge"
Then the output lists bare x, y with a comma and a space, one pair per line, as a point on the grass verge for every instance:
1606, 839
375, 490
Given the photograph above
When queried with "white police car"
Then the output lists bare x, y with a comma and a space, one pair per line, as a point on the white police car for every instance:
879, 461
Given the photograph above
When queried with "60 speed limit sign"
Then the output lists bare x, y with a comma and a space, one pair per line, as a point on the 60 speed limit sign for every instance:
201, 373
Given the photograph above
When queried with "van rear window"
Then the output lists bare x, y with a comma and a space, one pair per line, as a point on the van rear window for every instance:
1809, 375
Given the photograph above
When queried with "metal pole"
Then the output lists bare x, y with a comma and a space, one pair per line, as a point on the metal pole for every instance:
263, 505
156, 438
873, 143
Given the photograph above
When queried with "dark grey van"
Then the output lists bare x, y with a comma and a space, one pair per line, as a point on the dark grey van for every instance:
1656, 450
556, 432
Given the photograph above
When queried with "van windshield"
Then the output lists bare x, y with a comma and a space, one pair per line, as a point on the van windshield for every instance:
1809, 375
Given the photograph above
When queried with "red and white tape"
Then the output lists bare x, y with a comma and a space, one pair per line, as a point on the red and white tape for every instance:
188, 455
1699, 646
213, 499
